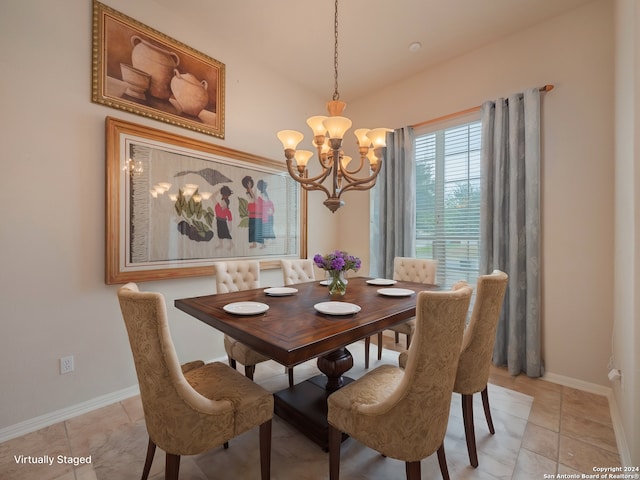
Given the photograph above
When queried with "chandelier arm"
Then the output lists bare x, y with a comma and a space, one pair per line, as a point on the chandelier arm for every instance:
349, 173
326, 162
297, 176
352, 186
314, 183
359, 183
317, 179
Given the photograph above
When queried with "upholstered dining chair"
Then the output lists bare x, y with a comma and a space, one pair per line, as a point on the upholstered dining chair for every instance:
477, 350
235, 276
296, 271
403, 413
420, 270
191, 409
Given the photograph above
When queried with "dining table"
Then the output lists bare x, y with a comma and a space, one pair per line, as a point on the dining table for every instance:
298, 323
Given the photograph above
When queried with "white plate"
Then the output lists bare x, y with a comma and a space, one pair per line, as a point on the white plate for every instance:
337, 308
246, 308
396, 292
381, 281
280, 291
324, 282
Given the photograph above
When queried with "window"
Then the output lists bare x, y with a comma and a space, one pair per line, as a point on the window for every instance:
448, 198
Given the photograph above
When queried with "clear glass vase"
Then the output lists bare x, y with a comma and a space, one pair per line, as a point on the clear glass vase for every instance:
337, 282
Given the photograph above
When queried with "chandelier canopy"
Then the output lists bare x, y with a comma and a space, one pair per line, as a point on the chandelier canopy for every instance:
328, 133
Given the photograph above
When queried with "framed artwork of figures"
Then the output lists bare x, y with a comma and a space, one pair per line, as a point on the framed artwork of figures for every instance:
174, 205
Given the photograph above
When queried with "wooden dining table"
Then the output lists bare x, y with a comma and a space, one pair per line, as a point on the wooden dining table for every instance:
291, 331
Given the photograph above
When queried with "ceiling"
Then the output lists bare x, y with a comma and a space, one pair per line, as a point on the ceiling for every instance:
296, 37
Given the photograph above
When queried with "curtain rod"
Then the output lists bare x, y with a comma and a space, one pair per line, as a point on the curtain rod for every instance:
545, 88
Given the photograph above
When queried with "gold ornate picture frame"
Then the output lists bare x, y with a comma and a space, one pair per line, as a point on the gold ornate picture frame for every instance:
174, 205
143, 71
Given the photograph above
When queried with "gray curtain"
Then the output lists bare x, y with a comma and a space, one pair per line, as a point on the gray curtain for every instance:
393, 223
510, 224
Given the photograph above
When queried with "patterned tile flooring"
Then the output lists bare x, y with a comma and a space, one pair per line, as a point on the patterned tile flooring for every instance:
541, 428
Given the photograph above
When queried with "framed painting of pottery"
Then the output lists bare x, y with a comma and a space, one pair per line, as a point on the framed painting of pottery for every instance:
140, 70
174, 205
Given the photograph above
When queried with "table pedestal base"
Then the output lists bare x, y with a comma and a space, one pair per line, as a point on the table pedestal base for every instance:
305, 407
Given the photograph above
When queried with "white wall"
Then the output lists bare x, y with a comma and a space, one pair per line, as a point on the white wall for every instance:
627, 260
574, 52
53, 300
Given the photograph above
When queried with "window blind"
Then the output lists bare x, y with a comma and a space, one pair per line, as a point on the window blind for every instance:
448, 199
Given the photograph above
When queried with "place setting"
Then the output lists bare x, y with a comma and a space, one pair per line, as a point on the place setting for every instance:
396, 292
246, 308
280, 291
337, 308
381, 281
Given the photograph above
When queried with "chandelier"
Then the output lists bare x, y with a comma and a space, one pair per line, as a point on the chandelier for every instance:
328, 133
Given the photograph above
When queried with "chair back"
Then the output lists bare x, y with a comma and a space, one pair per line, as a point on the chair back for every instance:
480, 335
173, 411
237, 275
421, 270
417, 412
297, 271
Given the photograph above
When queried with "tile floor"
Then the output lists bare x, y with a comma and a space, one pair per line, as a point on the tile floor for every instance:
541, 428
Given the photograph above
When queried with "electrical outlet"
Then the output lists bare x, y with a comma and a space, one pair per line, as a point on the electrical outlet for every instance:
66, 364
614, 375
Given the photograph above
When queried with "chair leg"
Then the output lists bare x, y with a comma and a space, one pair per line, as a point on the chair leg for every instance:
442, 461
487, 410
265, 450
367, 344
397, 337
469, 432
232, 363
413, 470
335, 441
226, 445
151, 451
248, 371
290, 372
379, 345
172, 467
408, 341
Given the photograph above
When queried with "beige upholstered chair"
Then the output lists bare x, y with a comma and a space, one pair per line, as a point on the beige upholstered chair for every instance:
419, 270
191, 409
234, 277
296, 271
477, 350
403, 414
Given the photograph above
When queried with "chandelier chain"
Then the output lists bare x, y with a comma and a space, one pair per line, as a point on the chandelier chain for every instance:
336, 95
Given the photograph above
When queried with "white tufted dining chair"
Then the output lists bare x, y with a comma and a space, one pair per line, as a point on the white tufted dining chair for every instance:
236, 276
190, 409
407, 269
297, 271
403, 413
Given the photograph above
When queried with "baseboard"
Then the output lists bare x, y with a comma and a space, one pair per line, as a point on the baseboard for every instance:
577, 384
614, 411
618, 430
61, 415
